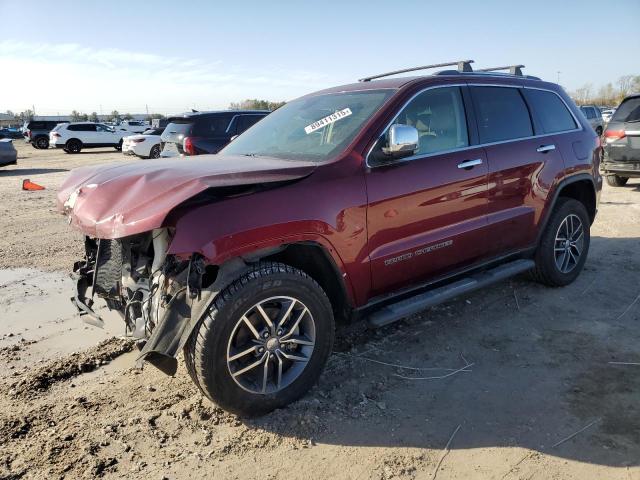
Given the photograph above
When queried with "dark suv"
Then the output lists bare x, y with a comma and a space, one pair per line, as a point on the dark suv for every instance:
376, 199
622, 143
206, 132
37, 132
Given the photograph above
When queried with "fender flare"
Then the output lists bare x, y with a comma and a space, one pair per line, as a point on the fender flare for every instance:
556, 193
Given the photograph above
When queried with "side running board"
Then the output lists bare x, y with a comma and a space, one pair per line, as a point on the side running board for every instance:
405, 308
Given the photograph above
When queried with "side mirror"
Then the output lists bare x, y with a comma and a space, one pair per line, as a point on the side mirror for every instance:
403, 141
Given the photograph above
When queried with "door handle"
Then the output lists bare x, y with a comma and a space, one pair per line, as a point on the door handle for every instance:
545, 148
468, 164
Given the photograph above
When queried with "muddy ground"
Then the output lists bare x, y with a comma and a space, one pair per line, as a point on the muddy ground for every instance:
72, 405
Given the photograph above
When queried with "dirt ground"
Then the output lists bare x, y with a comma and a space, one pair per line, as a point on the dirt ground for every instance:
541, 398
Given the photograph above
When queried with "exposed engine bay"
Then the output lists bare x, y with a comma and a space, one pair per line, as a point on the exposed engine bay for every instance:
135, 277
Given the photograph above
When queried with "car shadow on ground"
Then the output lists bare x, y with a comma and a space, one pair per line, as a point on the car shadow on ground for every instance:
16, 172
541, 367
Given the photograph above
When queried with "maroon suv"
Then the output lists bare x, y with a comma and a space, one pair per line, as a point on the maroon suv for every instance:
376, 199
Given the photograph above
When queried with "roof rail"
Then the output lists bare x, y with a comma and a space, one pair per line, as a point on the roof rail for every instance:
513, 69
463, 66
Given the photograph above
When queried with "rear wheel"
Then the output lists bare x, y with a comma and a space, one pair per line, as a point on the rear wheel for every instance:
263, 342
617, 180
564, 245
155, 152
42, 142
599, 131
119, 146
73, 146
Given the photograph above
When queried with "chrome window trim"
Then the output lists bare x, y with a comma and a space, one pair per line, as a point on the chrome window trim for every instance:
469, 147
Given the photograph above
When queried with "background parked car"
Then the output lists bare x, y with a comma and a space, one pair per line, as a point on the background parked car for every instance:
206, 132
73, 137
37, 132
12, 133
145, 145
607, 114
8, 154
622, 143
594, 117
132, 126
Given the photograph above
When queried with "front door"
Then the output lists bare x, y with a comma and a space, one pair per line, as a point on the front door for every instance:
427, 213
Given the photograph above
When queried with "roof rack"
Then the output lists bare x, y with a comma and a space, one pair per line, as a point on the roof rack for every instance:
513, 69
463, 66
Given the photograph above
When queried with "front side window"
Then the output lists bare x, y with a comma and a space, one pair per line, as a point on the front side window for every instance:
314, 128
501, 114
551, 110
211, 126
438, 115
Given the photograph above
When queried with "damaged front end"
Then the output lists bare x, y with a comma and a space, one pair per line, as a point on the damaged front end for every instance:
159, 296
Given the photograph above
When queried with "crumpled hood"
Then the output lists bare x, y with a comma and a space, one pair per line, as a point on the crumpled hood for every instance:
118, 200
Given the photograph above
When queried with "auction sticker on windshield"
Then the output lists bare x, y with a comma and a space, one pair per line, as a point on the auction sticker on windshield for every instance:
323, 122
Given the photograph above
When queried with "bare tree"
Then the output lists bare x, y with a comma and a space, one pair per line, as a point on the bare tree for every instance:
625, 84
93, 117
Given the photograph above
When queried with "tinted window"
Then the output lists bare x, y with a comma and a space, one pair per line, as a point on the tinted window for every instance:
628, 111
438, 115
83, 127
245, 121
212, 126
551, 110
179, 127
588, 112
501, 114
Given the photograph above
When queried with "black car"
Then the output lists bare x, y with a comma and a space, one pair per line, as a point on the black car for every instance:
37, 132
11, 133
622, 143
206, 132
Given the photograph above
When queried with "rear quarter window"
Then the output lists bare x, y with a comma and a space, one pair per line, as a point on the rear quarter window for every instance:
501, 114
214, 126
550, 110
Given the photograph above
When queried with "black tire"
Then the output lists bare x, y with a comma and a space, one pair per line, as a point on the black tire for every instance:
119, 146
42, 143
546, 270
206, 351
599, 131
155, 152
617, 180
73, 146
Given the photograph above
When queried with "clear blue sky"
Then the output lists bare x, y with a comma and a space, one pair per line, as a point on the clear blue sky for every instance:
172, 56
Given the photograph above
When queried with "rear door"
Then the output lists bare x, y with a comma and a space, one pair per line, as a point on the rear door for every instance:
211, 133
427, 213
519, 165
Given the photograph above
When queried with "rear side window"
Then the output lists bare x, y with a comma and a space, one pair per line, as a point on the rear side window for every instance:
501, 114
588, 112
628, 111
83, 127
551, 110
212, 126
180, 127
245, 121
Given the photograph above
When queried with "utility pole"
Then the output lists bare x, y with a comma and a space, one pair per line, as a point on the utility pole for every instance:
147, 107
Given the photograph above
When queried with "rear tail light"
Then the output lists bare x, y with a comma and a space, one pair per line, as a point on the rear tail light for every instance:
613, 135
55, 134
29, 133
137, 140
188, 146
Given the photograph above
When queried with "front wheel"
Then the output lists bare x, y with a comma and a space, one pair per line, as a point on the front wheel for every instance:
118, 147
263, 342
564, 245
617, 180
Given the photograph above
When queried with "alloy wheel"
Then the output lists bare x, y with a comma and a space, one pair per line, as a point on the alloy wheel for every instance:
271, 345
569, 243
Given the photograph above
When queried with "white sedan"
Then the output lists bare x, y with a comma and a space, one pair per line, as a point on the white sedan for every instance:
145, 145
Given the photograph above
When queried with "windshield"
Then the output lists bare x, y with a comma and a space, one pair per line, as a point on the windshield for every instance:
312, 128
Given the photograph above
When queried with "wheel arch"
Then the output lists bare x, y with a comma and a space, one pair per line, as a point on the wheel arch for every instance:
580, 187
